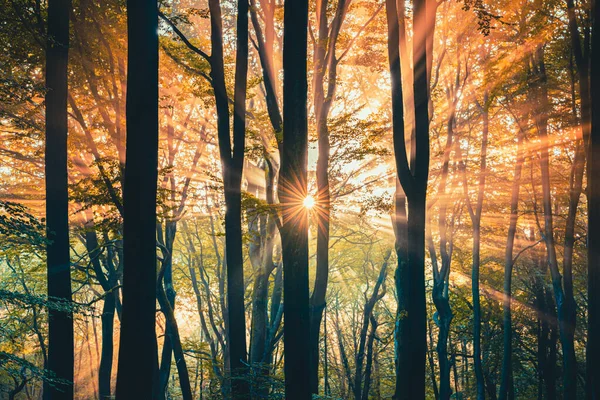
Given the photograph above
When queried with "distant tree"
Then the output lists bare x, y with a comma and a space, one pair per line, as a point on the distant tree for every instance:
138, 363
506, 379
60, 322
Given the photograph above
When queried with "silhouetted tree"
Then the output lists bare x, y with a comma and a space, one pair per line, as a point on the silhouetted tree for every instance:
292, 192
138, 362
60, 322
411, 329
593, 245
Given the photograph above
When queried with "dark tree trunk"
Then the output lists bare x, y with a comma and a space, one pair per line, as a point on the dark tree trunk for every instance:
542, 334
167, 265
263, 229
479, 378
430, 351
138, 362
166, 299
325, 62
411, 330
550, 374
475, 214
416, 294
506, 387
172, 332
265, 52
565, 303
109, 285
439, 292
232, 160
593, 245
106, 358
292, 191
361, 382
60, 322
445, 318
369, 365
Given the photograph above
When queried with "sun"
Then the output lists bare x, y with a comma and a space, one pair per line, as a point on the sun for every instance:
309, 202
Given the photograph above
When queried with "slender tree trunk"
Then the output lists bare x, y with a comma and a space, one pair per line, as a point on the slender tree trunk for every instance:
261, 258
172, 332
551, 368
292, 191
565, 304
430, 351
108, 310
542, 334
232, 159
439, 292
360, 376
593, 244
369, 364
476, 221
60, 322
454, 367
479, 378
506, 375
325, 61
164, 372
138, 362
106, 358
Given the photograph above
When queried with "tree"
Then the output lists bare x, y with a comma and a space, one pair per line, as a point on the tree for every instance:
292, 192
411, 317
325, 62
475, 214
593, 245
232, 160
506, 383
565, 303
138, 363
60, 322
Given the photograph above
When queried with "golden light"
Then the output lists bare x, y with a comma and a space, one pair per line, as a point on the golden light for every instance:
309, 202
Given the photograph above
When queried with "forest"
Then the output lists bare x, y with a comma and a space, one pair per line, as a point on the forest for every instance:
299, 199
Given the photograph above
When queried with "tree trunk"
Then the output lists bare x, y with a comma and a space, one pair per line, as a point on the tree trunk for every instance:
564, 302
436, 393
138, 362
172, 332
60, 323
411, 330
542, 334
106, 358
292, 192
479, 378
164, 371
550, 371
593, 244
369, 365
506, 387
363, 340
108, 284
439, 292
476, 221
232, 160
325, 62
263, 229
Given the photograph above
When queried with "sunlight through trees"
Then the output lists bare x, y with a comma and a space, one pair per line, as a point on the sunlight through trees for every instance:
266, 199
